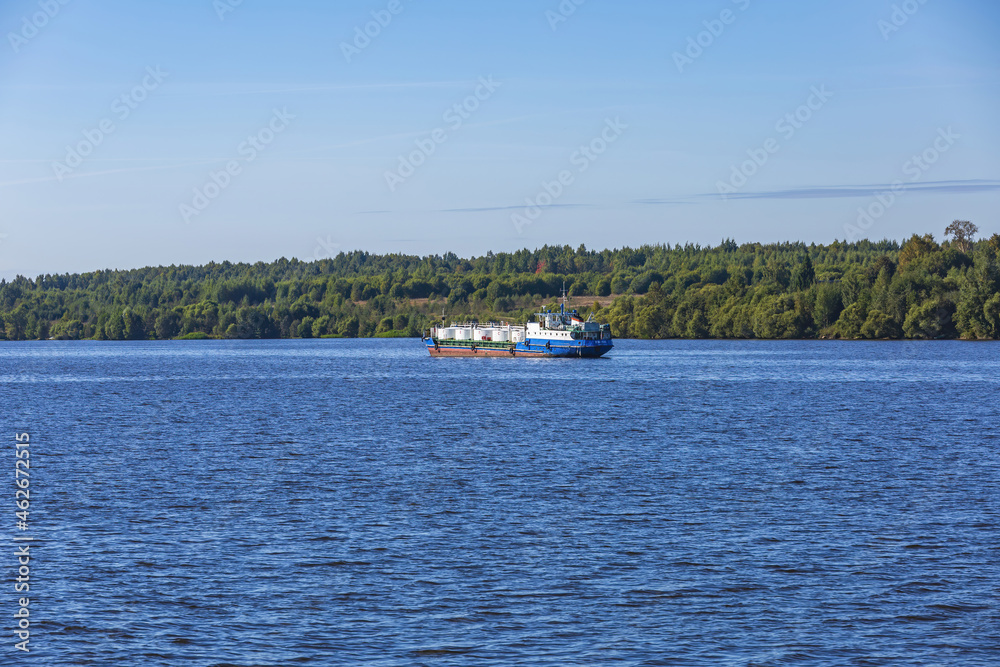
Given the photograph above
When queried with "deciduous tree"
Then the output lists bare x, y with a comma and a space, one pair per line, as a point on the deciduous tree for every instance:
962, 232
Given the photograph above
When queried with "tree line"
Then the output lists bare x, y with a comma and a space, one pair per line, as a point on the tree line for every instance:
886, 289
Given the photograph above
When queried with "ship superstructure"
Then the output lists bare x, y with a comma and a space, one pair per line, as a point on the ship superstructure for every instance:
562, 333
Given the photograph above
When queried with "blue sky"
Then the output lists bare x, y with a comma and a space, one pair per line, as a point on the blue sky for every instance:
248, 131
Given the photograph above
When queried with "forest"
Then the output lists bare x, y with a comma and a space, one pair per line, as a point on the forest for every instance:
918, 289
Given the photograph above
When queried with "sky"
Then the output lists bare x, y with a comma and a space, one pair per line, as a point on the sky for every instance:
183, 132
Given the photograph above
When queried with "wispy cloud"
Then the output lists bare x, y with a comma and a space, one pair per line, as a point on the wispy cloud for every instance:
818, 192
214, 89
656, 201
488, 209
48, 179
970, 186
847, 191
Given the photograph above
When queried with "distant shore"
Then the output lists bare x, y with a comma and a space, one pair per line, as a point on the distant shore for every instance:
884, 290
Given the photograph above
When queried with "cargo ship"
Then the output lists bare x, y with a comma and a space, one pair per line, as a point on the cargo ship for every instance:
562, 333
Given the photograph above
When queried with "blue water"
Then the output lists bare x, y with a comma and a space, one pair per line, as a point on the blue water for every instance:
355, 502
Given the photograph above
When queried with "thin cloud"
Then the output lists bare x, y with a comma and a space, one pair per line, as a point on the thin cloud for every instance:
970, 186
848, 191
213, 89
820, 192
90, 174
657, 202
489, 209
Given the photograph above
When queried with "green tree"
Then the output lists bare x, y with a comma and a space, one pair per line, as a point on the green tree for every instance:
930, 320
67, 330
851, 320
16, 323
994, 244
880, 325
320, 326
133, 326
803, 275
917, 247
962, 233
649, 322
349, 327
777, 317
828, 305
305, 328
114, 327
168, 325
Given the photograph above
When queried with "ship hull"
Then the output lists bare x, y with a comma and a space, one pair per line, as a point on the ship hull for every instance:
582, 349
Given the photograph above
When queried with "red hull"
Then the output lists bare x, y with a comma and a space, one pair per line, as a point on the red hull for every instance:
480, 352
